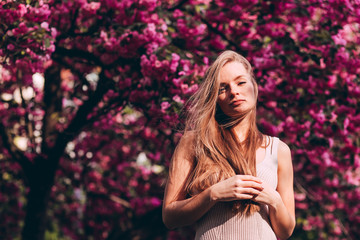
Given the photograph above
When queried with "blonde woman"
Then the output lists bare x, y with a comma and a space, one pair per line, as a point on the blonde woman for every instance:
226, 178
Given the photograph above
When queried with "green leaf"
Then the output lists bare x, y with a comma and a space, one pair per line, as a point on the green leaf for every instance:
47, 42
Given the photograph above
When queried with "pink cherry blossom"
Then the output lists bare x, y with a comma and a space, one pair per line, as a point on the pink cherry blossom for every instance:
115, 77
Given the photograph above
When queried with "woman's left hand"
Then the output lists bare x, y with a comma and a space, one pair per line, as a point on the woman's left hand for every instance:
267, 196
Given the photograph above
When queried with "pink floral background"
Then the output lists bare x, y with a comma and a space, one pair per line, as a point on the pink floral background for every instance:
91, 94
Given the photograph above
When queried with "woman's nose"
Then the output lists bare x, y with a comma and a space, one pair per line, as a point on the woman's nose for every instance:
233, 91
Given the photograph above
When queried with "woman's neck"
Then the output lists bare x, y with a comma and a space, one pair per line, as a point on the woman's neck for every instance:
242, 128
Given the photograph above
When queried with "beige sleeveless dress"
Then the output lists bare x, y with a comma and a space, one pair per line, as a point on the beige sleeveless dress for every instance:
221, 223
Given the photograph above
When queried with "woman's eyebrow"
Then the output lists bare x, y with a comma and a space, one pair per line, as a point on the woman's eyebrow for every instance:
236, 78
239, 77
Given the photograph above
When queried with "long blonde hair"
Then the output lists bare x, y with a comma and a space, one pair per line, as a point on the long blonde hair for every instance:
218, 153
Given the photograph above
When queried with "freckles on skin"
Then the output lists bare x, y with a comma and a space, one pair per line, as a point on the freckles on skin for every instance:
237, 91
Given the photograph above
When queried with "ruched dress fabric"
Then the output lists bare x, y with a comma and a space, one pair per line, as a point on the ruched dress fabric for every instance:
221, 223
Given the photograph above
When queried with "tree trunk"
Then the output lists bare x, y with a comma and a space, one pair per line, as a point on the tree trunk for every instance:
40, 185
42, 174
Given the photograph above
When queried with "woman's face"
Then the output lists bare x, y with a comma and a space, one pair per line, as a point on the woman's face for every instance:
237, 91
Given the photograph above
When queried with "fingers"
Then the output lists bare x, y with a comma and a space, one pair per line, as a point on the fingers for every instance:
236, 188
247, 186
246, 193
249, 191
245, 196
248, 178
246, 181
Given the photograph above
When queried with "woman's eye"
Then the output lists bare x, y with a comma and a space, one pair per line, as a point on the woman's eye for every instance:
241, 83
221, 90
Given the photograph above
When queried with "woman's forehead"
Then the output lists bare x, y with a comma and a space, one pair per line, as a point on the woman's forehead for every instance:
232, 71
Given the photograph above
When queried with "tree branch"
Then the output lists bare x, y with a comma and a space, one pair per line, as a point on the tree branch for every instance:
216, 31
107, 108
80, 119
52, 104
177, 6
223, 36
76, 53
91, 58
73, 70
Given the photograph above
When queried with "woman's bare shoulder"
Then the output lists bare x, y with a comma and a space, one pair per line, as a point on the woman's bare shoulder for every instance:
187, 140
182, 160
185, 148
283, 149
284, 156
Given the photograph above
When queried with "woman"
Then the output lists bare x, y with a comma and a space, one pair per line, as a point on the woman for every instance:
226, 177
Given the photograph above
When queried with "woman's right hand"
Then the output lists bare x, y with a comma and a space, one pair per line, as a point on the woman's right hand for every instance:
236, 188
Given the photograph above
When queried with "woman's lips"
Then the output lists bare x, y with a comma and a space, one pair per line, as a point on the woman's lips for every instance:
237, 102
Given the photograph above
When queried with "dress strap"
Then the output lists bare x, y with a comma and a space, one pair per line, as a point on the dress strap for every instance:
274, 148
268, 145
272, 144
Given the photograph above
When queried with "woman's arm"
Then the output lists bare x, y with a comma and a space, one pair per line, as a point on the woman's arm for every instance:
281, 202
282, 214
179, 211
